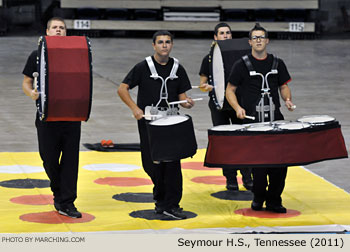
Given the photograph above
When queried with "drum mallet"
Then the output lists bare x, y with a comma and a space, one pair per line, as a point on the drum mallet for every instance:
35, 75
184, 101
249, 117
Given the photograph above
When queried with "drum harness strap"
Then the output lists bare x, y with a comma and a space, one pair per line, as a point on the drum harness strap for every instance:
261, 108
171, 110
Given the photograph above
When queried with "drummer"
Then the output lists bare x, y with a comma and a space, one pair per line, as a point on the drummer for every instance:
166, 176
268, 183
225, 116
58, 141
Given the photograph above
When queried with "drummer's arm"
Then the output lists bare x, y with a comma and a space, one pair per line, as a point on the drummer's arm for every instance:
286, 95
123, 92
189, 104
203, 83
232, 100
27, 86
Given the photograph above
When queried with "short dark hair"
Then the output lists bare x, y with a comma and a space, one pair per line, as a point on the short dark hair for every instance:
55, 19
162, 33
258, 27
218, 26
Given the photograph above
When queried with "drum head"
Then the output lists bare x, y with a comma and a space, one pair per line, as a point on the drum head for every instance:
281, 122
315, 119
260, 127
294, 126
218, 75
169, 120
229, 127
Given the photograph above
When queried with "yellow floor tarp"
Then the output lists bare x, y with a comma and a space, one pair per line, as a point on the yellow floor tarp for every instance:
317, 201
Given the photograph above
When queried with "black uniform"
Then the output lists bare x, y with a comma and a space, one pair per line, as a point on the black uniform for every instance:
223, 117
59, 149
250, 94
166, 176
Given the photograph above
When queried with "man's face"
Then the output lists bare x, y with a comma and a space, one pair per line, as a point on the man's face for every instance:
57, 28
258, 41
223, 34
163, 45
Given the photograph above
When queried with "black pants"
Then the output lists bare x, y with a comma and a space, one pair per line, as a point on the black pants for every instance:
166, 176
59, 150
223, 117
268, 184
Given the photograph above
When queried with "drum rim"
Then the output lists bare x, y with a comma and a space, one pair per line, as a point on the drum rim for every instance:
332, 119
264, 126
240, 127
167, 117
303, 124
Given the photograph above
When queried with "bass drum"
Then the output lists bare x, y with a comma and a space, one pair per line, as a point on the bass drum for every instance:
172, 138
65, 78
223, 54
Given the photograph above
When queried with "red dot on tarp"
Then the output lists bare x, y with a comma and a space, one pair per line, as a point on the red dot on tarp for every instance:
54, 217
213, 180
123, 181
196, 166
33, 200
266, 214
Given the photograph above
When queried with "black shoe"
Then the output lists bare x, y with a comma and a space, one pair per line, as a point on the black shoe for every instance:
232, 185
158, 210
70, 212
257, 206
248, 185
175, 213
276, 209
57, 206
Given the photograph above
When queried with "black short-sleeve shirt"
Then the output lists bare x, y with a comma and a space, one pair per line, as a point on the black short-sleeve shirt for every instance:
204, 70
149, 89
31, 64
250, 86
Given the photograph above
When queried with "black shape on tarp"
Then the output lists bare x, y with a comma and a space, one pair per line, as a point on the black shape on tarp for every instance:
134, 197
234, 195
25, 183
150, 214
117, 147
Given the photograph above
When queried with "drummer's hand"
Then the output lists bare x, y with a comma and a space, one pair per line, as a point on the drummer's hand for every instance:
138, 113
290, 106
34, 95
189, 104
205, 87
240, 113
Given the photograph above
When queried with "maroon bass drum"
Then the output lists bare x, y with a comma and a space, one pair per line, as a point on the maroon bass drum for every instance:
65, 78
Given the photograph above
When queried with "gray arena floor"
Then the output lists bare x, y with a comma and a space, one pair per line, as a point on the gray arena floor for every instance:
320, 85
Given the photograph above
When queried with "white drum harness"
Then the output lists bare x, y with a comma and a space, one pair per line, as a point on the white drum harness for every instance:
264, 111
156, 110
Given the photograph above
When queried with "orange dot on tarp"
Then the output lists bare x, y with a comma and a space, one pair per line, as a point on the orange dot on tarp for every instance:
266, 214
196, 166
54, 217
123, 181
213, 180
33, 200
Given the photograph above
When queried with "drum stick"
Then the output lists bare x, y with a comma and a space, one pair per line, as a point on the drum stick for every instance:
35, 75
152, 115
148, 116
249, 117
184, 101
195, 86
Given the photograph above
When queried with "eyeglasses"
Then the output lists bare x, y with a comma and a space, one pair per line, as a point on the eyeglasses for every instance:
258, 37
